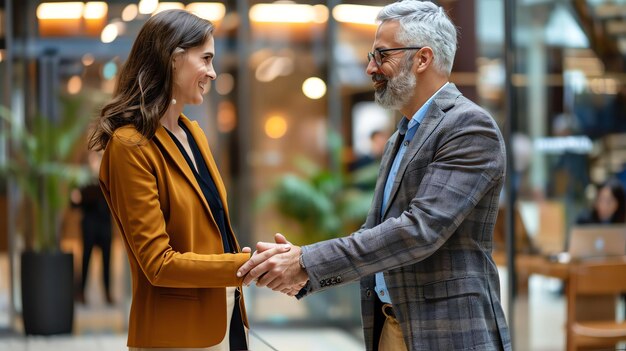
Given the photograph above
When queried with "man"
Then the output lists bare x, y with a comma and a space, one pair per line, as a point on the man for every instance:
423, 256
378, 140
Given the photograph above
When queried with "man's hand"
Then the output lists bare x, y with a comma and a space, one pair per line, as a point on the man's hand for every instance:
294, 290
276, 268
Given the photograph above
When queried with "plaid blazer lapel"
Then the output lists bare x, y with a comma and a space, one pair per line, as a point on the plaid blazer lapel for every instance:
441, 103
385, 167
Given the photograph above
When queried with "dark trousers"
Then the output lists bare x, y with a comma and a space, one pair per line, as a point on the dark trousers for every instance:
96, 233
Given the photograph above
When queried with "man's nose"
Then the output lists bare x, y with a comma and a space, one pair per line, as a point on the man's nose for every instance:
372, 67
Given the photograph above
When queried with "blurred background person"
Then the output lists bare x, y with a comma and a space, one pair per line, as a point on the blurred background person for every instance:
378, 139
95, 227
609, 206
364, 170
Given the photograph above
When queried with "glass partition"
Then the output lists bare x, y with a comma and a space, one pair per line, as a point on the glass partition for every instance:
5, 276
567, 136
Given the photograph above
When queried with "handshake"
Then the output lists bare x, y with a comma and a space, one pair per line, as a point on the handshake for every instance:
275, 265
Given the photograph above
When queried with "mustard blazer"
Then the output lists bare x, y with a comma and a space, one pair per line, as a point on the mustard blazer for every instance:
177, 260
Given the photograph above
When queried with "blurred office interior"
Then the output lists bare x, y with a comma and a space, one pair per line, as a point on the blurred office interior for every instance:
292, 109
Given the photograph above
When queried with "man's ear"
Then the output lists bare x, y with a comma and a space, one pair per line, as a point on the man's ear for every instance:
423, 59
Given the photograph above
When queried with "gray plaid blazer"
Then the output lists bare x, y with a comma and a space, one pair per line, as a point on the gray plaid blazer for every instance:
434, 239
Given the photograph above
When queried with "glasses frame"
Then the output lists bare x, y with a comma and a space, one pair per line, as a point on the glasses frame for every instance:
377, 54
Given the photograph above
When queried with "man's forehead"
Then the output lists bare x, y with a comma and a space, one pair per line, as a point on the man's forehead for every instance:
386, 33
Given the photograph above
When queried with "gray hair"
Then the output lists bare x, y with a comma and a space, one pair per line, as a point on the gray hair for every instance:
424, 24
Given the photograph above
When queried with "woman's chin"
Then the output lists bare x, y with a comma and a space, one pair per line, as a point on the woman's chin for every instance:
197, 101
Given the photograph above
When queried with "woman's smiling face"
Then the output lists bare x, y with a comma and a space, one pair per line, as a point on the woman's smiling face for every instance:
606, 204
192, 71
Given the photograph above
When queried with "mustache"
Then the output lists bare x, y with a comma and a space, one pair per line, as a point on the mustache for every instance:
377, 77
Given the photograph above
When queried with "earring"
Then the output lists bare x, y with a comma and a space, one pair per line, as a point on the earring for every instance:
173, 102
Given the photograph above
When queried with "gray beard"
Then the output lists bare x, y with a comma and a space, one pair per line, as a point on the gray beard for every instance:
398, 90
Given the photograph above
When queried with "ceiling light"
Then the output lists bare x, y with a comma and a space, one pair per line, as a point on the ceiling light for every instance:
284, 13
95, 10
60, 10
109, 33
359, 14
162, 6
146, 7
212, 11
130, 12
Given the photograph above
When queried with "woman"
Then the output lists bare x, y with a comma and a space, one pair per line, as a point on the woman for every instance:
166, 194
609, 206
95, 227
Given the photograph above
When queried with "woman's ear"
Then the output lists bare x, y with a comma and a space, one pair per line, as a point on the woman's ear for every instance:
177, 58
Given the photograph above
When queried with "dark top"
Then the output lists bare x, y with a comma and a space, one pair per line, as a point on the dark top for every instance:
589, 217
93, 205
207, 185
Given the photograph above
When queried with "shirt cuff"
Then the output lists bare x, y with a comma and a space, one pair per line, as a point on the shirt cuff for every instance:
304, 291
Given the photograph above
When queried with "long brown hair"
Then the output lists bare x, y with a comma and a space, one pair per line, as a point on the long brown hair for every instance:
619, 194
144, 87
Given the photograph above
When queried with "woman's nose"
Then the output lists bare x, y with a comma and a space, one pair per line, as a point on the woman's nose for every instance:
210, 72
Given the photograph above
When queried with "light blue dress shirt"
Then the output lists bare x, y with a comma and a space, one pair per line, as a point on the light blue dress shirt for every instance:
408, 128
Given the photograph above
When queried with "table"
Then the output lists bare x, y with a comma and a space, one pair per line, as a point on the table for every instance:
527, 264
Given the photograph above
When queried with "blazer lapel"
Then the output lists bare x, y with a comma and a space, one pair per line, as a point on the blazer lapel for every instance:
436, 111
170, 148
385, 165
203, 144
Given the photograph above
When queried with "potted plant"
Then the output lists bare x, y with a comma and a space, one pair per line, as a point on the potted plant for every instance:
325, 202
39, 164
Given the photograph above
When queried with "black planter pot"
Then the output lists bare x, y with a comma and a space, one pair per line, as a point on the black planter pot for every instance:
47, 292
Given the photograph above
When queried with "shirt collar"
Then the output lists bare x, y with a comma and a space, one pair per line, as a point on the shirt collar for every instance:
406, 124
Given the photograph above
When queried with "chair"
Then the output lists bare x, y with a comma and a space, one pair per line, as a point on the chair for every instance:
545, 223
590, 283
550, 237
523, 243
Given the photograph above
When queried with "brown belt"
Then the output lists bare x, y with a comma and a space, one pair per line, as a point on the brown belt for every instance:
388, 310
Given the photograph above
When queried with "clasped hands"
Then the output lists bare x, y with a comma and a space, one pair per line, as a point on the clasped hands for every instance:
275, 265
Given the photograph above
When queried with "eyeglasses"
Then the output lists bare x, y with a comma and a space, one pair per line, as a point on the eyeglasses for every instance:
377, 55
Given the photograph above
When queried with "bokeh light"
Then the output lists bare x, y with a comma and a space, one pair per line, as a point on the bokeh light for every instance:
314, 88
276, 127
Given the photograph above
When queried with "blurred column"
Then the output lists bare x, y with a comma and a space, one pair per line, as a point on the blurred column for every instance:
536, 90
464, 70
243, 173
333, 94
7, 190
511, 115
48, 84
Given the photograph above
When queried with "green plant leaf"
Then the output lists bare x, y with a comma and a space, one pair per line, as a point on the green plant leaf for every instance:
39, 162
325, 201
